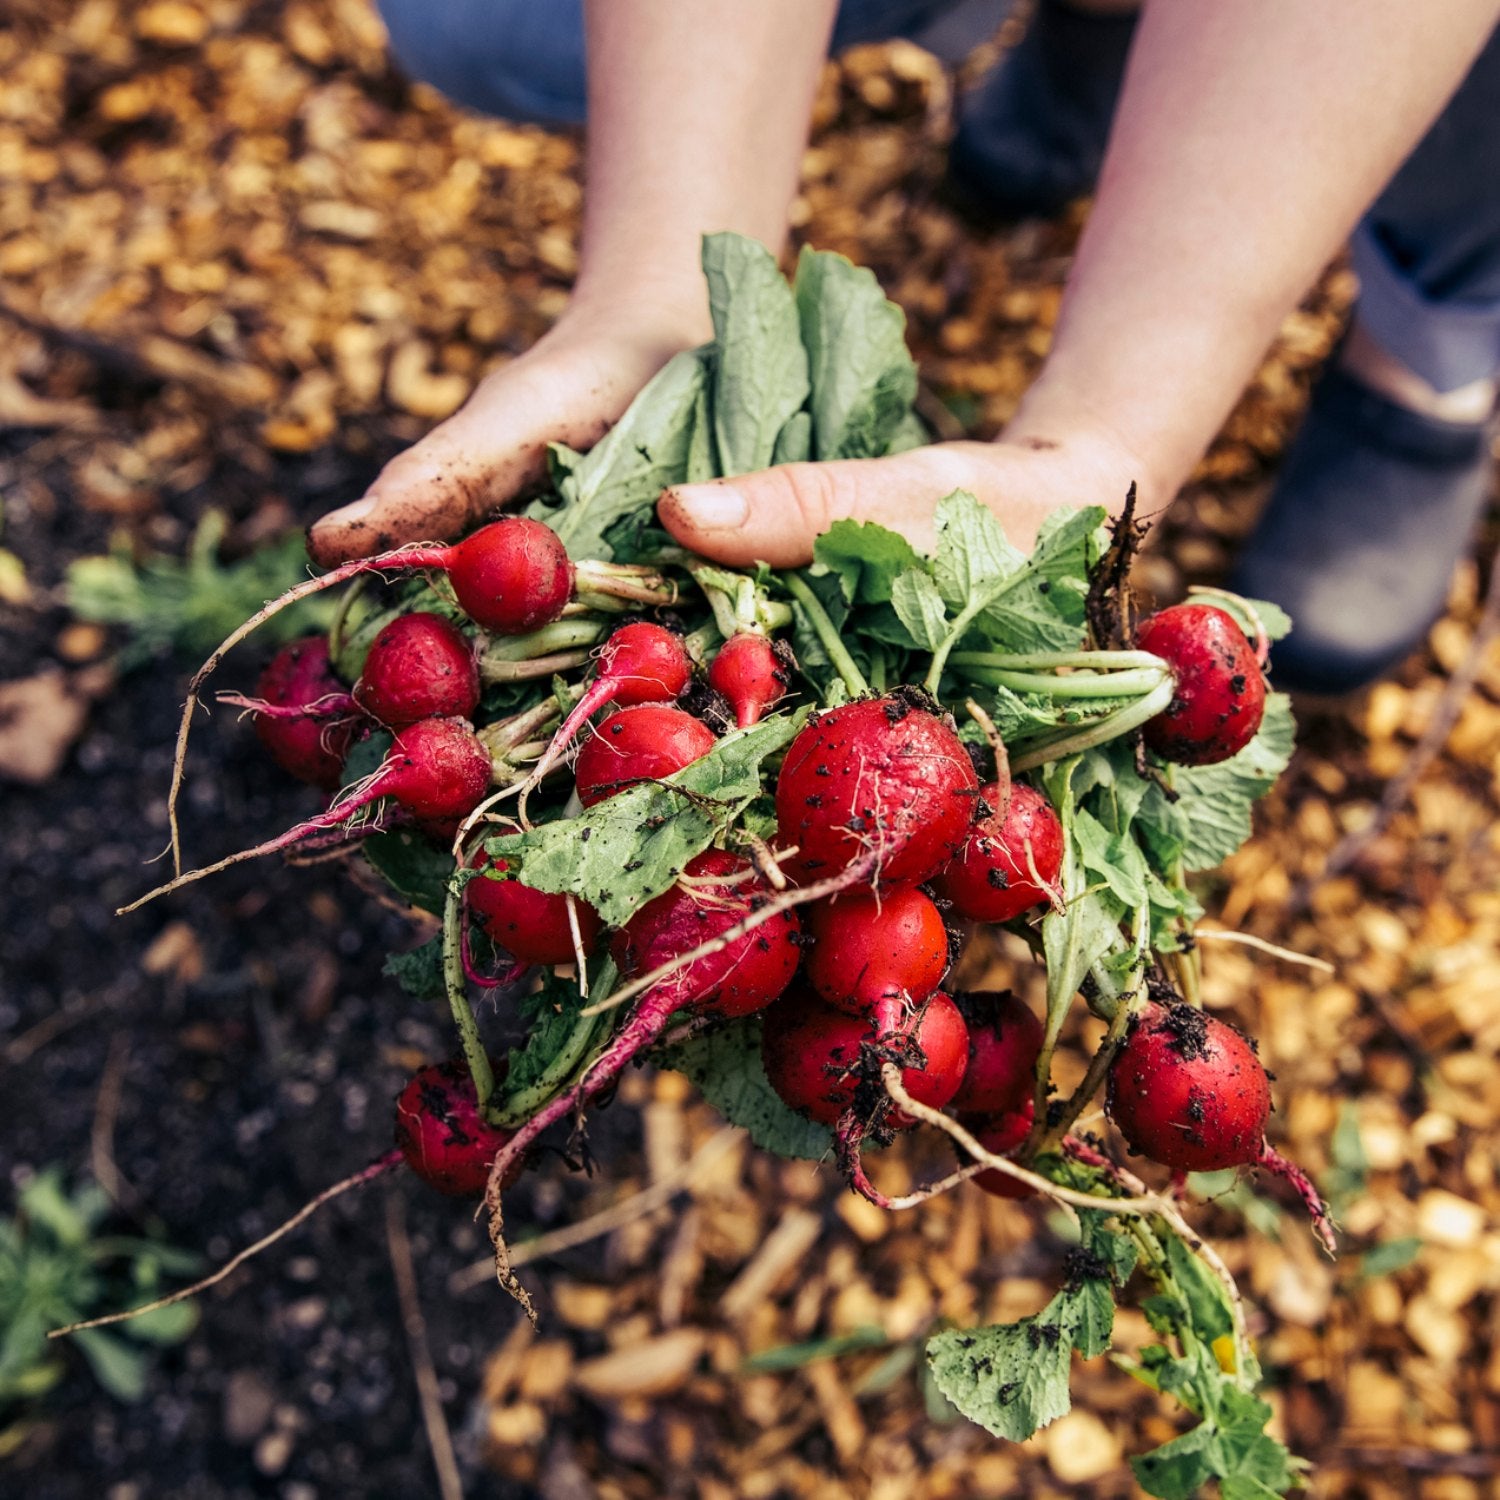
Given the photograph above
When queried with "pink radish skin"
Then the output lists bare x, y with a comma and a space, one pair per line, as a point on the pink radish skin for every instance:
420, 666
1002, 1137
1005, 1040
753, 673
640, 663
638, 744
309, 747
866, 946
1221, 690
878, 774
444, 1138
992, 878
814, 1054
743, 977
530, 925
1188, 1091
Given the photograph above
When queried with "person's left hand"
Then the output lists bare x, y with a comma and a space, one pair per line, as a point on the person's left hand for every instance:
774, 516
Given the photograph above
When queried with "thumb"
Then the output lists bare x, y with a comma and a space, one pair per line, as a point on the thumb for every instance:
775, 515
431, 492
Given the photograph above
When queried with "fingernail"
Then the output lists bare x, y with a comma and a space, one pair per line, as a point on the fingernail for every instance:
714, 507
350, 515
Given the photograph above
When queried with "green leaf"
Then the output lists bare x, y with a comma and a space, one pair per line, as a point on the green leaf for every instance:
1012, 1378
725, 1064
919, 607
866, 557
627, 469
1040, 606
420, 971
794, 441
1176, 1470
760, 374
620, 853
164, 1326
782, 1357
413, 866
120, 1369
190, 604
972, 552
1389, 1257
863, 377
552, 1014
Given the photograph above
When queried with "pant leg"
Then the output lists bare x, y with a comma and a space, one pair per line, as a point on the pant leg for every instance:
1428, 251
523, 59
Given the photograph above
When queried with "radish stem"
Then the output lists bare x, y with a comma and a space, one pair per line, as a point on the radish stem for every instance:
1122, 721
1071, 685
827, 634
458, 997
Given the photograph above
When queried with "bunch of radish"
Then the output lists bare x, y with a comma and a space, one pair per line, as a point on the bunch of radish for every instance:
747, 824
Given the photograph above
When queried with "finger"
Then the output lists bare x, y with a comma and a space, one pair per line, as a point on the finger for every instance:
434, 490
774, 516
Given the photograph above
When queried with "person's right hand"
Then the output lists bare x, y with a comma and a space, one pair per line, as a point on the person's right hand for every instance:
569, 388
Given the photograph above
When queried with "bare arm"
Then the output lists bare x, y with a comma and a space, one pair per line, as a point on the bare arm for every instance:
1251, 135
698, 114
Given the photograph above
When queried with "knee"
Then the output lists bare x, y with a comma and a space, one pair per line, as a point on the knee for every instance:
510, 58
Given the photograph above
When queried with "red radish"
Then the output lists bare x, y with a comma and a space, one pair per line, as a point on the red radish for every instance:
883, 775
420, 666
1007, 864
815, 1056
868, 945
308, 746
639, 663
745, 974
1001, 1137
1221, 691
437, 770
638, 744
1005, 1040
752, 672
440, 1131
530, 925
1189, 1092
510, 576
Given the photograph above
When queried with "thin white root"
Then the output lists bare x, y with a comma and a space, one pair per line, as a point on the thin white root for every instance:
1249, 939
1142, 1205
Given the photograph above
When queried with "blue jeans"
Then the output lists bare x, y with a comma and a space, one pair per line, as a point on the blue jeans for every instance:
1427, 252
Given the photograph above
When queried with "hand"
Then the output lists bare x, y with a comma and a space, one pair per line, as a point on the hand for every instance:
773, 516
569, 388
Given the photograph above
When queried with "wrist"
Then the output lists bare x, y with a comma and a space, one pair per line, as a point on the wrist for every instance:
661, 310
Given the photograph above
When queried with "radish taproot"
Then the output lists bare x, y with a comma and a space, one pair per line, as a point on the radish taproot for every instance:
437, 770
883, 776
1220, 694
303, 740
1188, 1091
420, 666
753, 673
816, 1058
443, 1135
530, 925
866, 945
1010, 861
638, 744
640, 663
1005, 1040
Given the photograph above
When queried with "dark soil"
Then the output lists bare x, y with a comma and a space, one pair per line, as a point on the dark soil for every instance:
247, 1090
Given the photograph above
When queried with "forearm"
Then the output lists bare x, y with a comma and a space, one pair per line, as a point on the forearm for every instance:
1251, 135
698, 115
